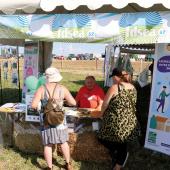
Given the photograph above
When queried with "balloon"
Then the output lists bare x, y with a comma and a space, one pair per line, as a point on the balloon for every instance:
31, 83
41, 81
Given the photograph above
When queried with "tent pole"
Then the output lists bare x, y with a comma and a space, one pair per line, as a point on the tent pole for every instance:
43, 56
19, 85
1, 86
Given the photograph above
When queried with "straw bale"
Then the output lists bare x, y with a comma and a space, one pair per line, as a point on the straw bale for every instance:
27, 138
6, 128
84, 146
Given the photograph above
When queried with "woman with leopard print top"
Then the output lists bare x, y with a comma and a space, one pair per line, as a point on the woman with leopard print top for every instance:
117, 109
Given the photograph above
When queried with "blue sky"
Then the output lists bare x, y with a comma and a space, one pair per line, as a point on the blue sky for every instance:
77, 48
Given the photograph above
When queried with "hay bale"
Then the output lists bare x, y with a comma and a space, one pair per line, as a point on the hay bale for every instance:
6, 128
27, 138
83, 146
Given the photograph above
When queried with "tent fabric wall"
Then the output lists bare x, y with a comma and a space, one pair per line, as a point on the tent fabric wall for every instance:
48, 5
58, 6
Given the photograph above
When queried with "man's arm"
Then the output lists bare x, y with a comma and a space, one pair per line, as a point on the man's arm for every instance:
98, 108
167, 94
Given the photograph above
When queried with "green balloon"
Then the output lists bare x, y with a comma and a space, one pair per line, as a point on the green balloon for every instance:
31, 83
41, 81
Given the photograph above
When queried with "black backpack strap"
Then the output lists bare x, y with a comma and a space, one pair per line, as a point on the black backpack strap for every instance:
118, 86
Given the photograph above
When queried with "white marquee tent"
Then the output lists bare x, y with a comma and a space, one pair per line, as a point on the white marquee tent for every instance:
58, 6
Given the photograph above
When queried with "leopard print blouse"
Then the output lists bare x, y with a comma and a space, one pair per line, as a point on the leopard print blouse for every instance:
119, 122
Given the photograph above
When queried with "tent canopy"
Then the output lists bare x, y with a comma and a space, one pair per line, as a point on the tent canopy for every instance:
84, 21
115, 28
82, 6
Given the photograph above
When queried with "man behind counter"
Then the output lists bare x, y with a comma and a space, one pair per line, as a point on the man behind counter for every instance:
90, 95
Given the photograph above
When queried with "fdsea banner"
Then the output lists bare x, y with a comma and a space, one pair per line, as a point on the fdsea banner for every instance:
115, 28
158, 128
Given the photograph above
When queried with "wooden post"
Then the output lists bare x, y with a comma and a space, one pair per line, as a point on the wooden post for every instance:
141, 65
1, 85
61, 63
45, 57
96, 63
19, 83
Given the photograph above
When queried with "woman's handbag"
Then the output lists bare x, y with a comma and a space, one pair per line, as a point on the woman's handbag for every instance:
158, 100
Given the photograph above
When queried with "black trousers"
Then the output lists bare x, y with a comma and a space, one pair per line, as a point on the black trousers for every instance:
118, 151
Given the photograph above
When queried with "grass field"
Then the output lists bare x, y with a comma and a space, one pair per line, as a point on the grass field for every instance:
73, 72
139, 159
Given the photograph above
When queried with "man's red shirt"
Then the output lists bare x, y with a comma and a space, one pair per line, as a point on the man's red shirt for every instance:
89, 98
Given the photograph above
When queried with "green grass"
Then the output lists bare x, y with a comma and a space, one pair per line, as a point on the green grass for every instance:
73, 81
12, 159
140, 158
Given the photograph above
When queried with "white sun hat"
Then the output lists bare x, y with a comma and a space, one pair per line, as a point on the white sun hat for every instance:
53, 75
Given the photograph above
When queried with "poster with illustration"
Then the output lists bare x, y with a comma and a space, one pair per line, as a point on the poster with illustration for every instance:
158, 127
31, 53
31, 114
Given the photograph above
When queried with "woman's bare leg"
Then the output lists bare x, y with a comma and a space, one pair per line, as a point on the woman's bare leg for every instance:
66, 151
48, 155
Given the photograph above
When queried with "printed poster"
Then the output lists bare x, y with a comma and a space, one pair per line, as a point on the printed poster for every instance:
9, 72
31, 114
158, 128
31, 54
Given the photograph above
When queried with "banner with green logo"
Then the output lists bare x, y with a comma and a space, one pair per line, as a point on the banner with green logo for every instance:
125, 28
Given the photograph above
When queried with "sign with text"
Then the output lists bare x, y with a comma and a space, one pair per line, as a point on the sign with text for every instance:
158, 128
